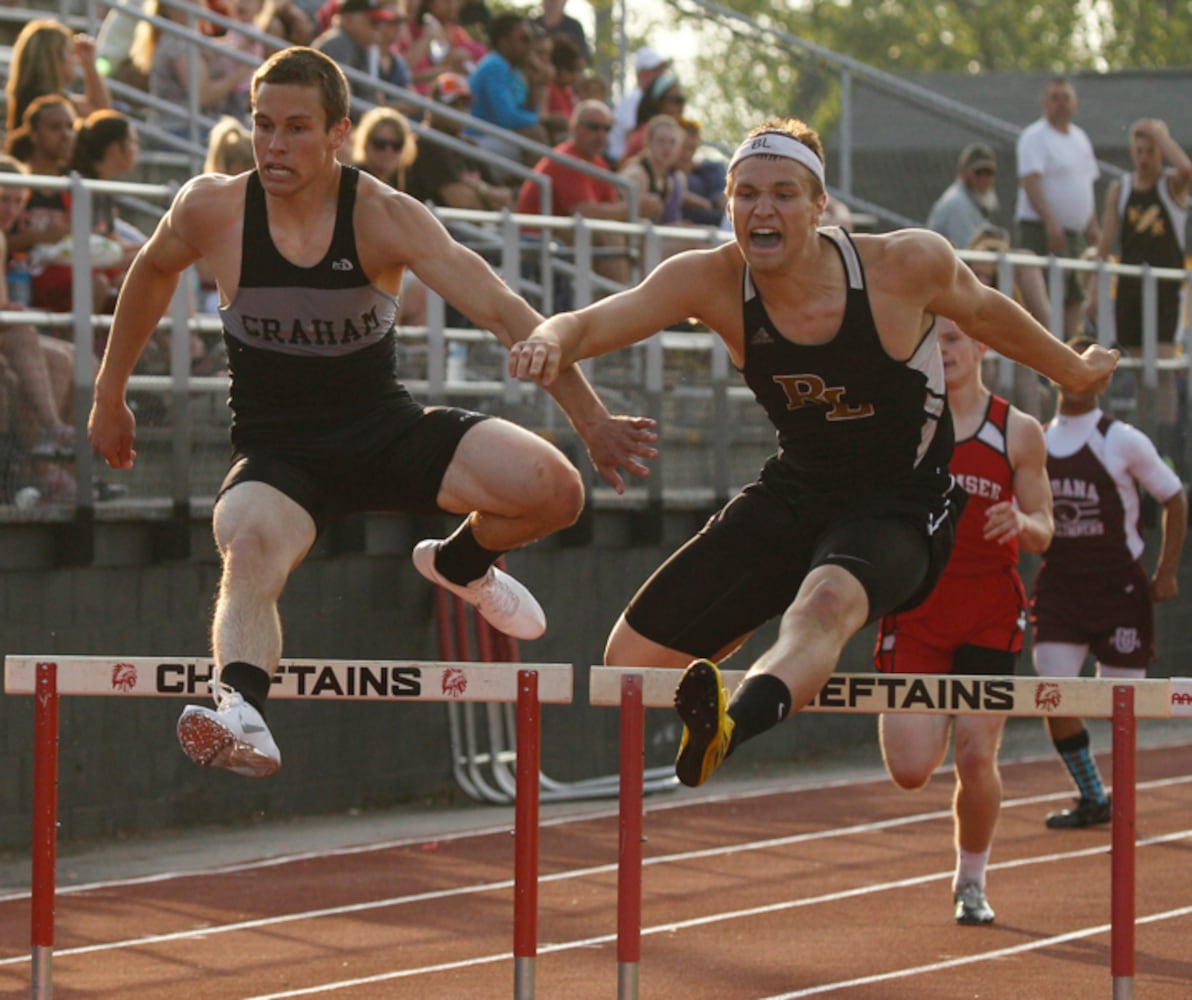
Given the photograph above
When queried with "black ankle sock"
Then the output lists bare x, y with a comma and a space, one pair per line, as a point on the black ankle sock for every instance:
762, 701
251, 681
461, 559
1077, 741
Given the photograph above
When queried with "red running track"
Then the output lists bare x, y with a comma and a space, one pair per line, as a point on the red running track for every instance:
841, 890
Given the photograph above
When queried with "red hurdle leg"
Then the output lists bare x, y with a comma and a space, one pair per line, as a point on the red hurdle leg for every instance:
1121, 963
629, 860
45, 827
525, 841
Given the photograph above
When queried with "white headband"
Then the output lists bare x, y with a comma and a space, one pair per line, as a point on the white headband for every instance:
779, 144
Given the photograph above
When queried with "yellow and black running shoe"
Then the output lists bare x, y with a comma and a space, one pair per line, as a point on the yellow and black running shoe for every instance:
707, 728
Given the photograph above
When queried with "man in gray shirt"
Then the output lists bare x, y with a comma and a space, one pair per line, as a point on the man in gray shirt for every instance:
969, 201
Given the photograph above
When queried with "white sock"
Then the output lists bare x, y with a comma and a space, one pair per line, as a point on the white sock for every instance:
970, 867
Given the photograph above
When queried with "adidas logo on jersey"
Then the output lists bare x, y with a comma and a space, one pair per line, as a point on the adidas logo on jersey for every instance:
761, 336
343, 264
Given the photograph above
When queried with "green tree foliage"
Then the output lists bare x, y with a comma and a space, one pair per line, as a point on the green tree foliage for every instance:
759, 75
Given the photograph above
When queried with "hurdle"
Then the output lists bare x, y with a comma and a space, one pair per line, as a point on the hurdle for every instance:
528, 685
634, 689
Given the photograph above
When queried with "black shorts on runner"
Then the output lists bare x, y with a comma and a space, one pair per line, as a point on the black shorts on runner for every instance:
746, 565
392, 460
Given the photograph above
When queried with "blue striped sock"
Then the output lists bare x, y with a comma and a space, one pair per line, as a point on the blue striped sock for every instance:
1075, 752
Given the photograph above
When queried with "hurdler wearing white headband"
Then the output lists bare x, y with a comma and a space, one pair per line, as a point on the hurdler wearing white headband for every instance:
779, 144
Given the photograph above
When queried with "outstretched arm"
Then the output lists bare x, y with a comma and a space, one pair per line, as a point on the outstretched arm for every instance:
689, 284
615, 444
987, 315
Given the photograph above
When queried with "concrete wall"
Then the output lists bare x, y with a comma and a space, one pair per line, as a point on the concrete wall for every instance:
121, 771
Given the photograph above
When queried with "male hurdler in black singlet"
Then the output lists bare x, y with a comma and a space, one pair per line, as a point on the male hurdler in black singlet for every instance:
851, 519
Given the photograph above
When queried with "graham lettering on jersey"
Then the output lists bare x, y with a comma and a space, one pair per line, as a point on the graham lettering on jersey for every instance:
811, 390
315, 332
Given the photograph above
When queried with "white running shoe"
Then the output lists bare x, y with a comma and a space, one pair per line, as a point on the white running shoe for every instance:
503, 602
232, 735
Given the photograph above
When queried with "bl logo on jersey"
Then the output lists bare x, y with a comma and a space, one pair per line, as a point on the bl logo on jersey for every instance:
811, 390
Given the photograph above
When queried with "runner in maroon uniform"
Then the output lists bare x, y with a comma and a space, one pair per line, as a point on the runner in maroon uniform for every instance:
852, 519
1092, 593
974, 619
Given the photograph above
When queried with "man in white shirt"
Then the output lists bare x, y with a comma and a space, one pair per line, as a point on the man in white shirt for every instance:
1056, 211
649, 65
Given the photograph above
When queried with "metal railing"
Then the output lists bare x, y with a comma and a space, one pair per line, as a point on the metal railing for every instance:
714, 435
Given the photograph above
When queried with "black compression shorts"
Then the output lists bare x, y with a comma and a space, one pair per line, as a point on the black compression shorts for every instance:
393, 461
746, 565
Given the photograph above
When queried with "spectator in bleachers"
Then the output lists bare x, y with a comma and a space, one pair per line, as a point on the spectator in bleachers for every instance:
539, 72
704, 200
392, 36
384, 145
969, 202
164, 57
106, 148
591, 86
1056, 212
448, 177
664, 96
576, 193
229, 148
46, 58
568, 64
353, 38
44, 143
1146, 213
655, 170
41, 369
283, 18
1031, 394
555, 22
499, 90
649, 65
438, 43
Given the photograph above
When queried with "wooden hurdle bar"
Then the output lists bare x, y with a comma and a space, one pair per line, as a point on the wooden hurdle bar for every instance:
634, 689
528, 685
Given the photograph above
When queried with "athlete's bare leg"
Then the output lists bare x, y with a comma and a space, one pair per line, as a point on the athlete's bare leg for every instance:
978, 780
829, 609
262, 535
518, 487
914, 746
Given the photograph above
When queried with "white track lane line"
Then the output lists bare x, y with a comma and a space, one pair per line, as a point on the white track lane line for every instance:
978, 957
716, 918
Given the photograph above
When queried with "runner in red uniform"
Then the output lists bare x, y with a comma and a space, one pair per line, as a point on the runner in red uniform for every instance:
973, 621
